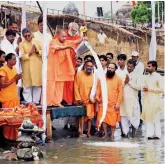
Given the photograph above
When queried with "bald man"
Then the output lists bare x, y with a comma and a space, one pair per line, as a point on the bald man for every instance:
60, 67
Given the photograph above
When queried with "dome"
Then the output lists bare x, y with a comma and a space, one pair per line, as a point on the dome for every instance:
124, 11
70, 8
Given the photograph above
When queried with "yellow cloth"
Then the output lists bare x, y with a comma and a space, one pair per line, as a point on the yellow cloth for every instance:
31, 65
82, 30
39, 37
130, 95
9, 92
60, 69
151, 100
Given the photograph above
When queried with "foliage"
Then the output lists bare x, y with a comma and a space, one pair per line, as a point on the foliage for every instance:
141, 13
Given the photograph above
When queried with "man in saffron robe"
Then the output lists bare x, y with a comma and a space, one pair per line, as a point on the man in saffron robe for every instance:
60, 68
114, 87
82, 88
72, 34
9, 94
8, 84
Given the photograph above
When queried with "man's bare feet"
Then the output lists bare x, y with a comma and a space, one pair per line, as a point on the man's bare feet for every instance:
104, 137
112, 138
88, 135
48, 140
82, 135
59, 105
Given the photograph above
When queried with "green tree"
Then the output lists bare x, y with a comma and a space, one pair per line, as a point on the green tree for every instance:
142, 13
161, 7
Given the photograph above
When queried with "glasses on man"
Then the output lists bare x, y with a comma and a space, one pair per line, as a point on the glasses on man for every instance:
26, 36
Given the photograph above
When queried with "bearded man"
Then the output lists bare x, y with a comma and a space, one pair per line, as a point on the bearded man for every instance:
114, 87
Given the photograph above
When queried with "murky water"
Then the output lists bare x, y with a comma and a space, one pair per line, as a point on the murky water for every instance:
124, 151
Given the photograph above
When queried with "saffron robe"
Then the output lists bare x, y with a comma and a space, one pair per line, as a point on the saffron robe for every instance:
82, 89
60, 69
9, 95
115, 92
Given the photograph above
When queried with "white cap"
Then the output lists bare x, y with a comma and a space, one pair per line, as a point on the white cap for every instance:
135, 53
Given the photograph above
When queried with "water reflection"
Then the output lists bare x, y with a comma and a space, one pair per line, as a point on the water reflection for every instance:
73, 151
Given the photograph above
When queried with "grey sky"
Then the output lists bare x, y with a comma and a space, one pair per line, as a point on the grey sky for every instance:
90, 5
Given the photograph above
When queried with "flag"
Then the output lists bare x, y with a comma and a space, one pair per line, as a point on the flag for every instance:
133, 3
153, 44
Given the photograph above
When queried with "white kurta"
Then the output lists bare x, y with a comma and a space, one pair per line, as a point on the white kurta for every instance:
101, 38
130, 109
139, 68
15, 40
7, 47
122, 73
152, 104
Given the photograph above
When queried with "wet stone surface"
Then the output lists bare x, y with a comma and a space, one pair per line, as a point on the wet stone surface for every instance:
75, 151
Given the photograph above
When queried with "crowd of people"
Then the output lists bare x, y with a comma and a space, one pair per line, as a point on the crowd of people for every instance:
73, 79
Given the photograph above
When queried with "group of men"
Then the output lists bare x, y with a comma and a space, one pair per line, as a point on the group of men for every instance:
71, 81
128, 91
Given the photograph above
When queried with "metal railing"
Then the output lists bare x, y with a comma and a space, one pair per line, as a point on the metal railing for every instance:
60, 12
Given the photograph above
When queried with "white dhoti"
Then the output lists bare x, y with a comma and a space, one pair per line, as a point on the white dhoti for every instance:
19, 92
153, 129
32, 94
134, 120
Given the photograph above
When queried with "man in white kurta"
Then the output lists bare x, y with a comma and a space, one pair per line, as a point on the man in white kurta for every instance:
8, 45
121, 73
152, 103
14, 26
130, 109
122, 68
101, 37
139, 70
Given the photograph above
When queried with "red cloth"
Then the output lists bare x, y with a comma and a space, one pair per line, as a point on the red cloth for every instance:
11, 125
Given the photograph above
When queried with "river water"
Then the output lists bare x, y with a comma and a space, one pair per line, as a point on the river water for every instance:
96, 151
